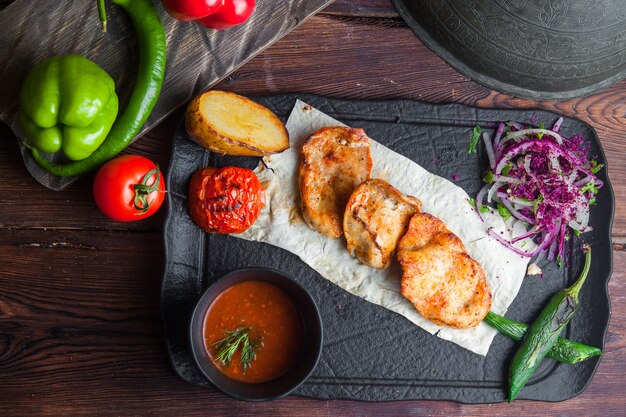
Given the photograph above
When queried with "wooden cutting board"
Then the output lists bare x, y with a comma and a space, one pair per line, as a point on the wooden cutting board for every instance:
31, 31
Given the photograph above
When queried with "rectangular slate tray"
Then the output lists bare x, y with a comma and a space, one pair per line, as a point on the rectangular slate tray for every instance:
371, 353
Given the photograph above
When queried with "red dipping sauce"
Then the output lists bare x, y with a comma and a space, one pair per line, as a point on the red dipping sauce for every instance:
275, 322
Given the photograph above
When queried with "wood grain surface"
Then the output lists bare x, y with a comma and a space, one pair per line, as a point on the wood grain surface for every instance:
80, 327
196, 57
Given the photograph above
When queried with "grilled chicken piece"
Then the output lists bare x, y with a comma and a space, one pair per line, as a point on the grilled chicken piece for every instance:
444, 284
376, 217
334, 161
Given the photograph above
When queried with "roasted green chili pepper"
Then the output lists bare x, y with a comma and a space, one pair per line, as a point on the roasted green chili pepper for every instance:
564, 350
151, 44
545, 331
67, 103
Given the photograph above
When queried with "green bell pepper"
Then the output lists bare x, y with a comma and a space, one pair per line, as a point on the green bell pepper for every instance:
67, 103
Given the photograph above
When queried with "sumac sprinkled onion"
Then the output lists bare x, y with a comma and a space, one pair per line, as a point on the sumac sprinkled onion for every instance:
541, 178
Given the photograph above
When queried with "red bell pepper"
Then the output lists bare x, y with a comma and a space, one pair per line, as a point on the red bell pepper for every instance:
185, 10
232, 13
215, 14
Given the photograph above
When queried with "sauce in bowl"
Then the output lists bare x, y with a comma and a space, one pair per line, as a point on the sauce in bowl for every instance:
274, 322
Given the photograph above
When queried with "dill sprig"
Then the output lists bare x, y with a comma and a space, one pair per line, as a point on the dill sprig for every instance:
227, 347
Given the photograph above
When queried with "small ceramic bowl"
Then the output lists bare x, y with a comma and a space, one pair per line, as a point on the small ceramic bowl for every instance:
287, 382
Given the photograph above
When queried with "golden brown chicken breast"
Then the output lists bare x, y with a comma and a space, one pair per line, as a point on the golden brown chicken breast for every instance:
376, 217
334, 161
444, 284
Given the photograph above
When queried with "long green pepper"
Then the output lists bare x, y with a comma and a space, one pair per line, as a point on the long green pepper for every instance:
545, 331
564, 350
151, 71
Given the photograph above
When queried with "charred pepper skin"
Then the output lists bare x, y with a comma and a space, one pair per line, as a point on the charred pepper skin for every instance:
544, 332
564, 350
151, 72
67, 103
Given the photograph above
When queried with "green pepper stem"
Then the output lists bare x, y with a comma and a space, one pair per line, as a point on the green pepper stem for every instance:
575, 288
102, 13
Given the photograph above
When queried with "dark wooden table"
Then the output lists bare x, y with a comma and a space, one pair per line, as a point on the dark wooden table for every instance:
80, 327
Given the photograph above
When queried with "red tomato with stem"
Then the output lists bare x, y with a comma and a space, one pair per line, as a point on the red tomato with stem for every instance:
185, 10
229, 14
129, 188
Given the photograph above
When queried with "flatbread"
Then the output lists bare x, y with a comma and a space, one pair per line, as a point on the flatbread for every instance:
280, 224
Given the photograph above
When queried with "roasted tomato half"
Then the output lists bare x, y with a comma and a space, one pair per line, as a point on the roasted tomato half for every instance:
225, 200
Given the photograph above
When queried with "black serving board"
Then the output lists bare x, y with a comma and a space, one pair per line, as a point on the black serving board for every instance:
539, 49
371, 353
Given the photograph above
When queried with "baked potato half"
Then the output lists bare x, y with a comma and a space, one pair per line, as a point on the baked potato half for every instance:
230, 124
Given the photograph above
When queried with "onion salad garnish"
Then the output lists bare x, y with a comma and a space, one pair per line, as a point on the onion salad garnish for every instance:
541, 178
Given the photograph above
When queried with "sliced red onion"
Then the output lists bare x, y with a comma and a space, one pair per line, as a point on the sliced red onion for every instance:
480, 197
572, 177
581, 219
528, 132
555, 213
508, 244
499, 133
520, 202
533, 231
552, 250
584, 181
489, 148
547, 239
509, 180
511, 246
517, 126
504, 198
497, 146
554, 161
536, 145
562, 232
492, 191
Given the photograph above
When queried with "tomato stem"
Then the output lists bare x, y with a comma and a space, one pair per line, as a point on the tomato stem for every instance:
143, 190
